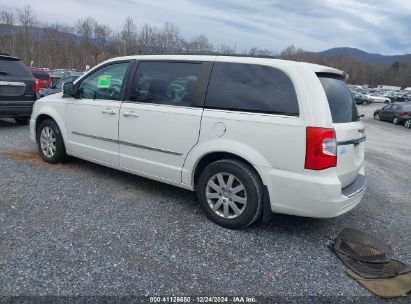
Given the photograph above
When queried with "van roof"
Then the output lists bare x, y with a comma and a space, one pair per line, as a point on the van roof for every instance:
316, 68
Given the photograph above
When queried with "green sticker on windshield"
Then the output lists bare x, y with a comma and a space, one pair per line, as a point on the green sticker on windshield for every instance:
104, 82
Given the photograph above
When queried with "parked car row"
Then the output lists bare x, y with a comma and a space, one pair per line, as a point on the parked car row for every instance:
395, 113
366, 96
396, 96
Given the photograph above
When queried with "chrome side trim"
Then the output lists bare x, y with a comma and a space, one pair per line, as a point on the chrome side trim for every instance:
127, 143
12, 83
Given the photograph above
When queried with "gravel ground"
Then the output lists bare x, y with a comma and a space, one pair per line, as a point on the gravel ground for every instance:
83, 229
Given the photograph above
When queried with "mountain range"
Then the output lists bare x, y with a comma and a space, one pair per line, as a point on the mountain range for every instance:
360, 55
365, 57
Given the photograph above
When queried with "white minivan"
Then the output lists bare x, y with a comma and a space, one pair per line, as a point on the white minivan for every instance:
252, 136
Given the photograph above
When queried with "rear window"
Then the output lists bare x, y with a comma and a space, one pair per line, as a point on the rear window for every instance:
41, 75
13, 68
342, 106
251, 88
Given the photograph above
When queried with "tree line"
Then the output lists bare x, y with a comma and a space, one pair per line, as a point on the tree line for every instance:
89, 42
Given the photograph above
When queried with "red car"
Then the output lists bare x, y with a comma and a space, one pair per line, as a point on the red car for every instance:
42, 79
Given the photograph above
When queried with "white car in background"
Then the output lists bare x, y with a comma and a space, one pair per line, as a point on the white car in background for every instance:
252, 136
378, 98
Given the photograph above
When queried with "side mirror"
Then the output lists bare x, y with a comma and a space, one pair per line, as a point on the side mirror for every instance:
68, 89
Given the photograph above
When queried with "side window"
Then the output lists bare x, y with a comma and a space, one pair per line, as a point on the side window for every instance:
249, 87
105, 83
171, 83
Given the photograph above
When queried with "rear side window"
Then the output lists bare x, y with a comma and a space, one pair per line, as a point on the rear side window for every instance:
342, 106
249, 87
41, 75
169, 83
13, 68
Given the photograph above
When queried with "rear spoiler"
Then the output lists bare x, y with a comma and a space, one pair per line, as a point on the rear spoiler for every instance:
331, 75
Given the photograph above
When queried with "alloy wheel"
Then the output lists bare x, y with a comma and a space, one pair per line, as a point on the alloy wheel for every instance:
226, 195
48, 142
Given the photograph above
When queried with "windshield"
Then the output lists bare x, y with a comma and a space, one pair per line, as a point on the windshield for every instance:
342, 106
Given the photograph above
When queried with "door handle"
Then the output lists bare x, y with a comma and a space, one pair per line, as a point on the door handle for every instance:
109, 111
132, 114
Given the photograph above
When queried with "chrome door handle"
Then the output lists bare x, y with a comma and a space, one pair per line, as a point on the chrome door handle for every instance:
132, 114
109, 111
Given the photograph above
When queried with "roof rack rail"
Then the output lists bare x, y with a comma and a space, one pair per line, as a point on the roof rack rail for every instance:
219, 54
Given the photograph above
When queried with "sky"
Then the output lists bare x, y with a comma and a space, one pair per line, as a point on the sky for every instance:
375, 26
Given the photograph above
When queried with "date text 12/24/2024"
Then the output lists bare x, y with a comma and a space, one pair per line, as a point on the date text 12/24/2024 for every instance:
203, 299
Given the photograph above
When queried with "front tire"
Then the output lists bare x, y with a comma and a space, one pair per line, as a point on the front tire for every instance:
364, 103
230, 193
377, 116
50, 142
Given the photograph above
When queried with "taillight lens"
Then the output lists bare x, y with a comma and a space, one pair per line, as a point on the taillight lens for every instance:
321, 148
36, 85
405, 113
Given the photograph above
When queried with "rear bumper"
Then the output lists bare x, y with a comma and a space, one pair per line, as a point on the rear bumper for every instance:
16, 110
313, 194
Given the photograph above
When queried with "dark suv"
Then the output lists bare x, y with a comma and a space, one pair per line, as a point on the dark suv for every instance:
17, 92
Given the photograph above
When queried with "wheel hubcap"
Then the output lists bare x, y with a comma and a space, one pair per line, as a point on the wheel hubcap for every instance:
226, 195
48, 142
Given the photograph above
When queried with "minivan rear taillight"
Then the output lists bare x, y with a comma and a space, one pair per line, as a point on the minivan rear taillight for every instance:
405, 113
321, 148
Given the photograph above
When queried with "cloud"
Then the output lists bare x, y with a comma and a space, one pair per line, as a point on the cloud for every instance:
375, 26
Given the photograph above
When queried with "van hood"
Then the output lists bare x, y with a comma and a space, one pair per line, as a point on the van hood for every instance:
58, 97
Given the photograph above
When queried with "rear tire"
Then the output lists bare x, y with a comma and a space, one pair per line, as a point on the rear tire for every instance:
50, 142
364, 103
22, 120
407, 124
230, 193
